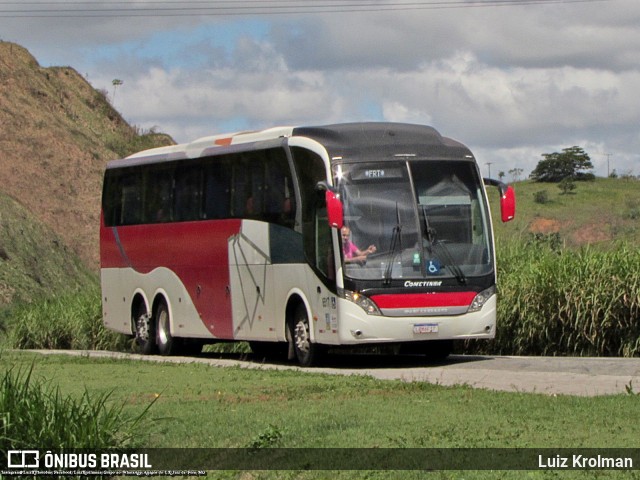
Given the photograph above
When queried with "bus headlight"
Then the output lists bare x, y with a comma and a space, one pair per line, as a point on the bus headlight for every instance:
362, 301
481, 298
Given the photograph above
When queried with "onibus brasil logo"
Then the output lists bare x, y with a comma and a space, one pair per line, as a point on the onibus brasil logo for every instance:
33, 459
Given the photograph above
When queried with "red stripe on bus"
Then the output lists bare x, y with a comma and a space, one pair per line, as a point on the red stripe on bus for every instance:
416, 300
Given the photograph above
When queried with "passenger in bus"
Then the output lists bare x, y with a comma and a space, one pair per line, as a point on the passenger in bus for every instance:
352, 254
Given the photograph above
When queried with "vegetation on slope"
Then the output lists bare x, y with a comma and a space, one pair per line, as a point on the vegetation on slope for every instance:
34, 262
56, 134
598, 213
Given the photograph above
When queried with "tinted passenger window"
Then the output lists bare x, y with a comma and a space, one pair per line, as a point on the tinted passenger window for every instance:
127, 197
159, 195
188, 193
217, 188
256, 185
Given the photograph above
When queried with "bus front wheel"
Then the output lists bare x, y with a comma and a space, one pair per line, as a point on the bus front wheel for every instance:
307, 352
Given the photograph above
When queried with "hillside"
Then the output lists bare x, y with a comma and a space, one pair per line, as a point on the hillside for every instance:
597, 212
56, 134
34, 262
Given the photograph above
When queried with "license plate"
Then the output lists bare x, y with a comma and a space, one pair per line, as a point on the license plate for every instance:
425, 328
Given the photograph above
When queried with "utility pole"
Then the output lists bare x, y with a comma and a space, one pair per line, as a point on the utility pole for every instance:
608, 157
489, 164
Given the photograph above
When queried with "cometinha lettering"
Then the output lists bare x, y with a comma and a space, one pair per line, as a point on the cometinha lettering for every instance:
580, 461
431, 283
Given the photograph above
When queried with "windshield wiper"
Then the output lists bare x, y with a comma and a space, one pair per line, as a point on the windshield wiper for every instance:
429, 232
430, 235
396, 240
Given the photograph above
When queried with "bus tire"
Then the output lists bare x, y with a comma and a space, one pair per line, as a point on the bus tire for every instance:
167, 345
145, 331
307, 352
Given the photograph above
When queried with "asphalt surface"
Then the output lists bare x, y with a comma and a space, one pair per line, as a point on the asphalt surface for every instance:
543, 375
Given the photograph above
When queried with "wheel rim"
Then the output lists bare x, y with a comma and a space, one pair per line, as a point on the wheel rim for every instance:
301, 336
142, 327
163, 327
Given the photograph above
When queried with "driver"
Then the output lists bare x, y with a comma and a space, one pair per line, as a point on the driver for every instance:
352, 254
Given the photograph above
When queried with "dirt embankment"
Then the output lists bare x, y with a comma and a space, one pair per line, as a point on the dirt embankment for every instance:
56, 134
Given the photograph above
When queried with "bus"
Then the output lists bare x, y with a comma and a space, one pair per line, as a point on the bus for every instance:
245, 237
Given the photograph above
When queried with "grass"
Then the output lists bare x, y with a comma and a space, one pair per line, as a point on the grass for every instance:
597, 212
33, 412
34, 262
71, 320
204, 407
558, 301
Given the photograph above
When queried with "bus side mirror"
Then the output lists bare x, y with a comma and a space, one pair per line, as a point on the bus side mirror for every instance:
507, 199
508, 204
335, 212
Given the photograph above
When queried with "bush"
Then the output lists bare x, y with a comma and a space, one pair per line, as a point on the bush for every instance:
567, 185
568, 302
69, 321
541, 197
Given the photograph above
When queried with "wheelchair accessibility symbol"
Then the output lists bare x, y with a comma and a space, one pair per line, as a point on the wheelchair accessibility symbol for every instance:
433, 267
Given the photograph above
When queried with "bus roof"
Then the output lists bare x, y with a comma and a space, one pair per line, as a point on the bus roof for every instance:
380, 139
383, 140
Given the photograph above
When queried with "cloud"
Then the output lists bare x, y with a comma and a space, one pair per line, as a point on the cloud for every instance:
510, 82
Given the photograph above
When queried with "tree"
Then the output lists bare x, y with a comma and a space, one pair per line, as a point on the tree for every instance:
572, 162
515, 174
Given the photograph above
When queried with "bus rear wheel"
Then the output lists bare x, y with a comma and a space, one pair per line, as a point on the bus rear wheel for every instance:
145, 331
307, 352
167, 344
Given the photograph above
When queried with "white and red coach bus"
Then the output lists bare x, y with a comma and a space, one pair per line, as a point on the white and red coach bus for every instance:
238, 237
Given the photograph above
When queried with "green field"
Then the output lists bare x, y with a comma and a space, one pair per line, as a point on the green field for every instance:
597, 212
202, 406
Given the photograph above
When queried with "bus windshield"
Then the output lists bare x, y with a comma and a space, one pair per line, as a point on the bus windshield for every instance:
414, 220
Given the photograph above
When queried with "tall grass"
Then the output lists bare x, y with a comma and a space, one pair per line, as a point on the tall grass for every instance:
68, 321
34, 414
556, 301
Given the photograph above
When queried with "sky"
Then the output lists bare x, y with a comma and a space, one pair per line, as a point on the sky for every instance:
511, 79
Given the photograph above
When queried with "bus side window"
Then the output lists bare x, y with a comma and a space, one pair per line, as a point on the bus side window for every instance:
111, 198
316, 233
323, 250
158, 195
217, 189
131, 198
240, 183
279, 204
188, 193
256, 165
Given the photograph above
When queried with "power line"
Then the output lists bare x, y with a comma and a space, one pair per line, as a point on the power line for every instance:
159, 8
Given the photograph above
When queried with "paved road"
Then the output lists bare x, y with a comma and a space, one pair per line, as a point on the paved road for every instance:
545, 375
